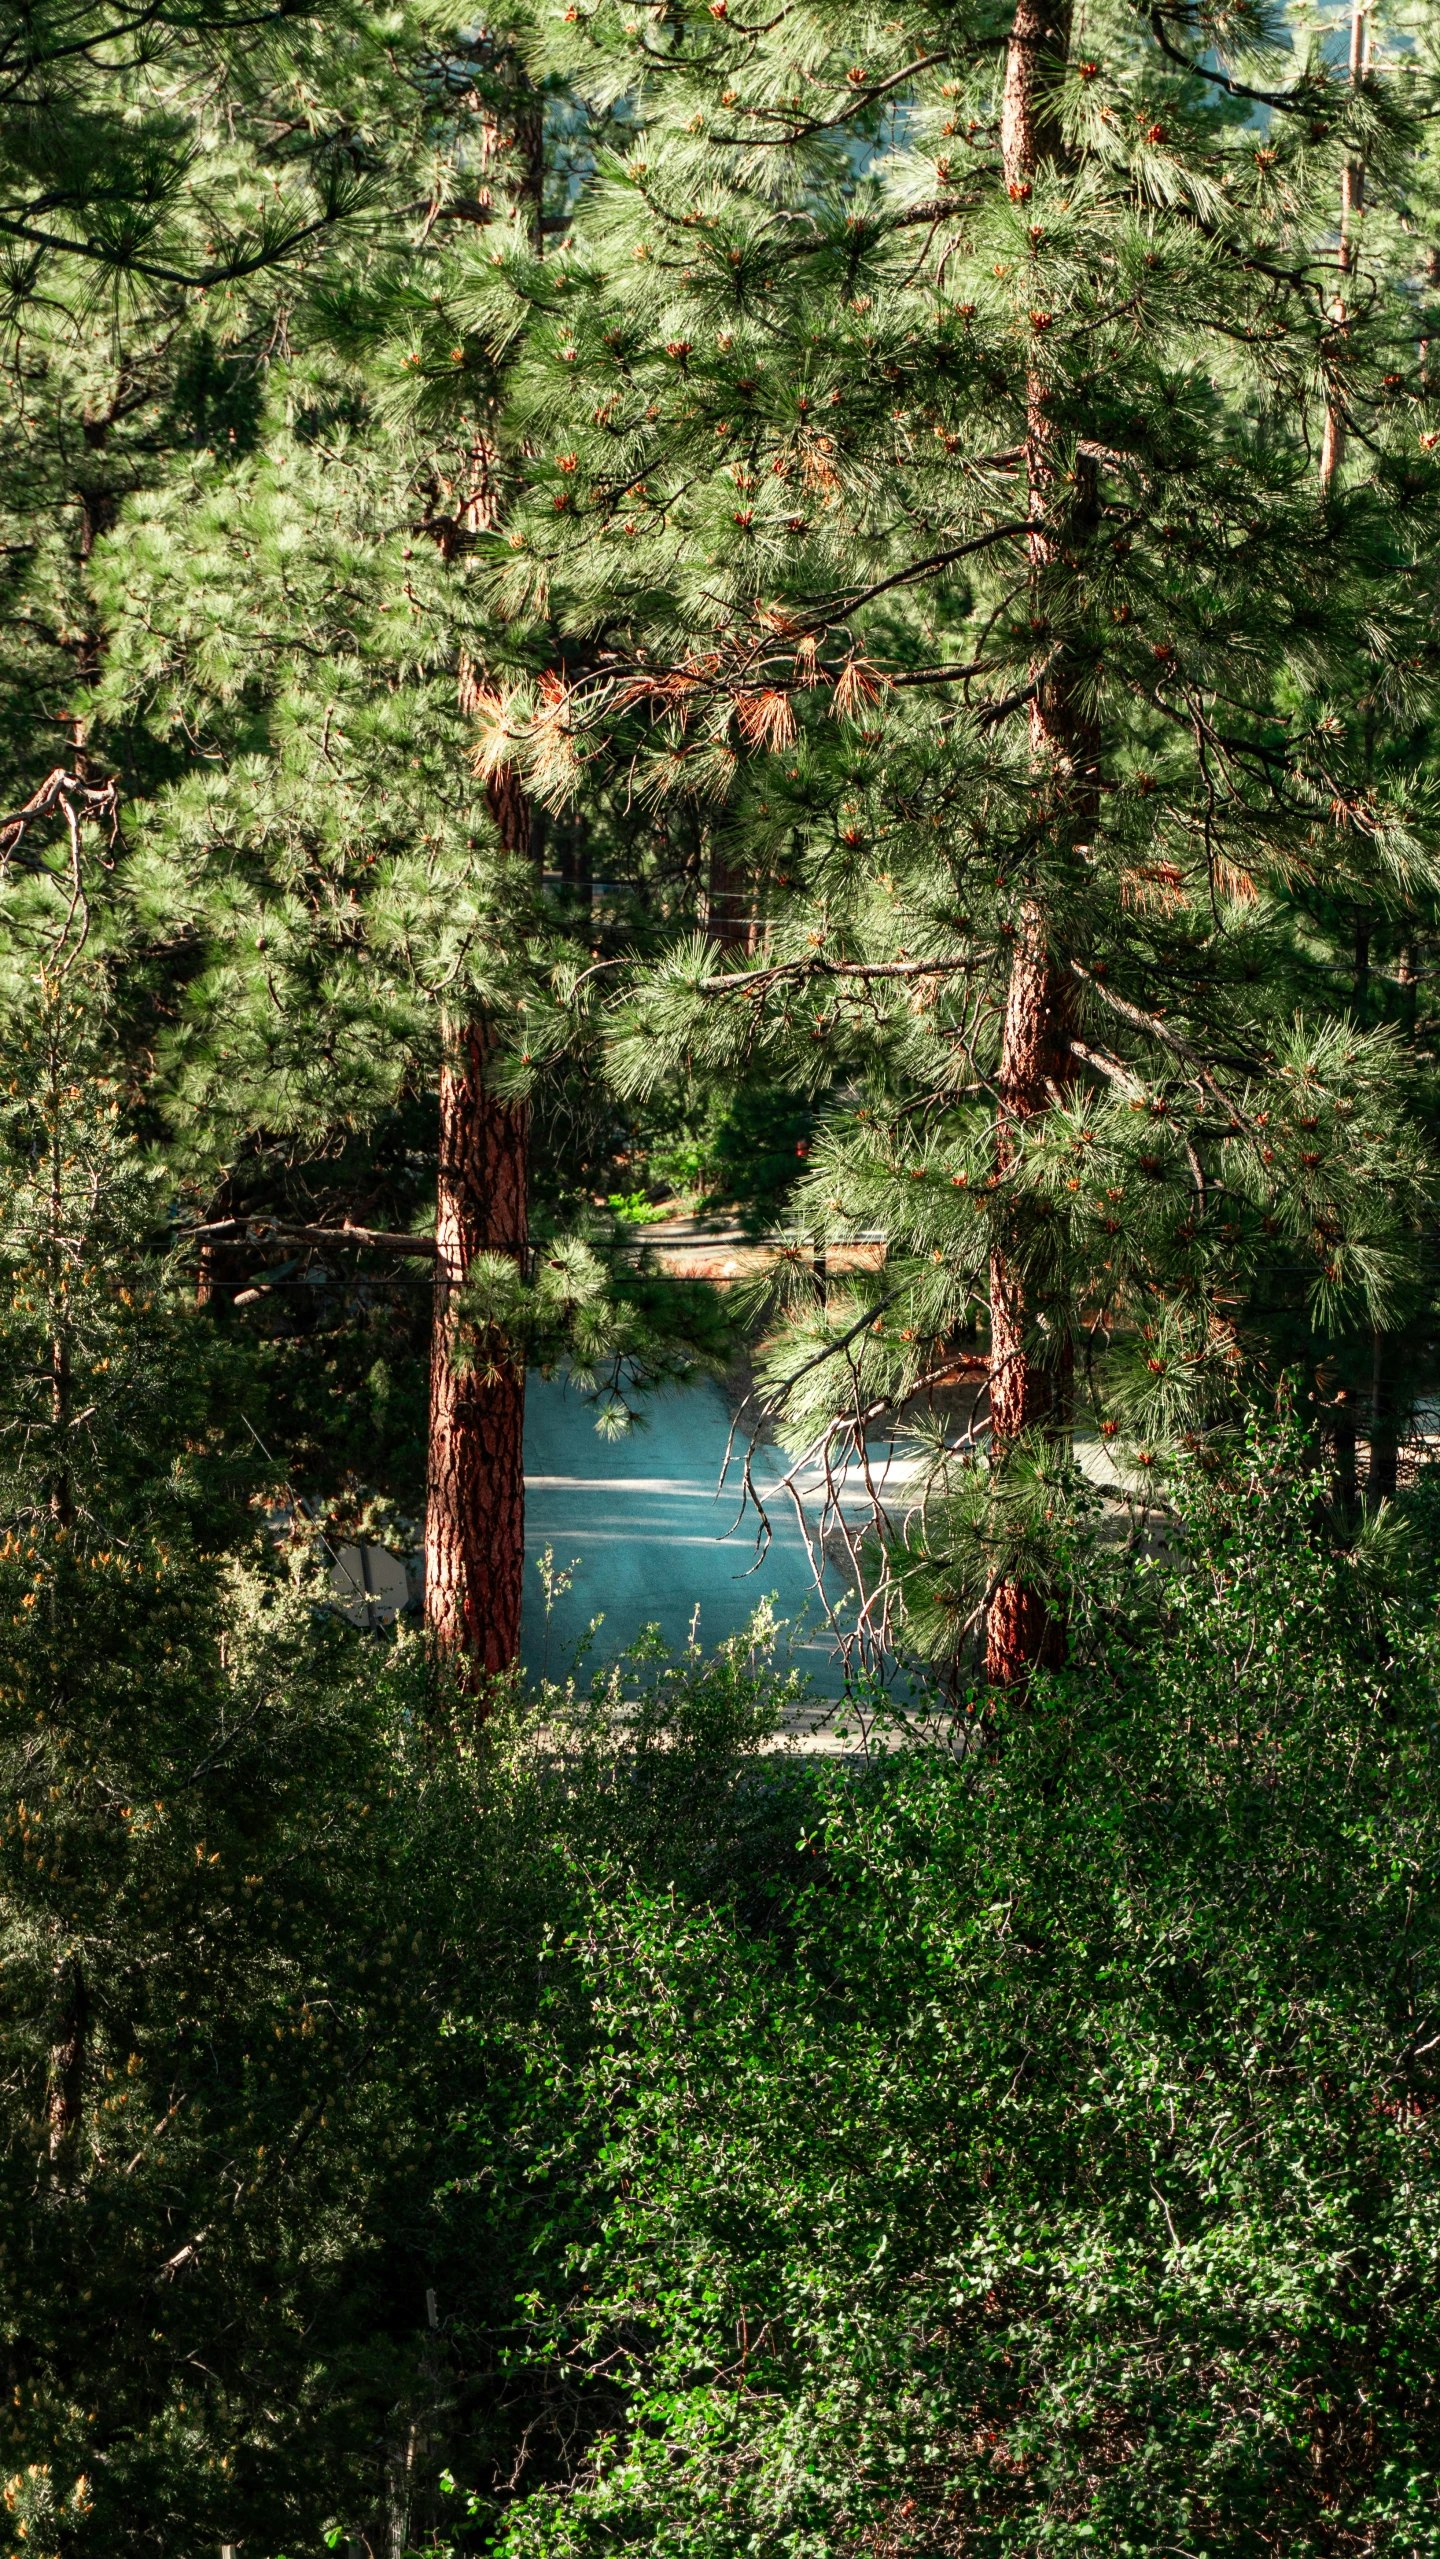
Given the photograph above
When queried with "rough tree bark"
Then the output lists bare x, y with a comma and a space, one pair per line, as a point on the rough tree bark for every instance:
1384, 1472
475, 1491
1388, 1404
475, 1505
1352, 206
1029, 1371
66, 2086
475, 1494
1027, 1391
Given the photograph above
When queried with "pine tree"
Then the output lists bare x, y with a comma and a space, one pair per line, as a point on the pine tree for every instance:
334, 887
362, 914
929, 455
135, 145
475, 1474
166, 177
187, 170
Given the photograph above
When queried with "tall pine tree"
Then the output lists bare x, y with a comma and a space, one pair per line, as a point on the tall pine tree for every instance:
929, 453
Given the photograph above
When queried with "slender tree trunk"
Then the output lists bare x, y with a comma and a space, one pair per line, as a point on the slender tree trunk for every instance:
1029, 1367
1034, 69
62, 1508
1389, 1350
475, 1497
1027, 1389
399, 2487
1346, 1482
1384, 1443
99, 510
475, 1490
66, 2090
1432, 282
1352, 205
1408, 980
475, 1513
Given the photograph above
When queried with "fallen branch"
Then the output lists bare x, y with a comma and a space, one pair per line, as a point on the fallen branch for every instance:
260, 1230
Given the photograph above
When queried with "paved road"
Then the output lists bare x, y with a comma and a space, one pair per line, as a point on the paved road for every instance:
644, 1528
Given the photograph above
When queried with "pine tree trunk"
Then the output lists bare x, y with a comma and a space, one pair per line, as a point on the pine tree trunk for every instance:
1389, 1351
1352, 206
1384, 1443
1029, 1370
1408, 981
475, 1487
475, 1512
67, 2068
1027, 1391
61, 1504
1345, 1475
1432, 280
475, 1494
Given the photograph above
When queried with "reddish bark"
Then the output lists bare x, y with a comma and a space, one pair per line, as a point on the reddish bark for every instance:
1034, 69
475, 1513
475, 1491
1029, 1371
1035, 1055
1352, 207
1029, 1376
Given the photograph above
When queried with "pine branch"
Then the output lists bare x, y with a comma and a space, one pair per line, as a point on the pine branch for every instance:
77, 801
1284, 101
199, 282
754, 981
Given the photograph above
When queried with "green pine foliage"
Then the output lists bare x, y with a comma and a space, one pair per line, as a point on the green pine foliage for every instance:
329, 866
166, 177
114, 1396
769, 444
187, 148
328, 860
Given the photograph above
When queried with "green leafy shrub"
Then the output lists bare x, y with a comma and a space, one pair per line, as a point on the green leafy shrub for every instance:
1049, 2163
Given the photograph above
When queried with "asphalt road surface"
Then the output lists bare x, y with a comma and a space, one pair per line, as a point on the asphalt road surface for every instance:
649, 1538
